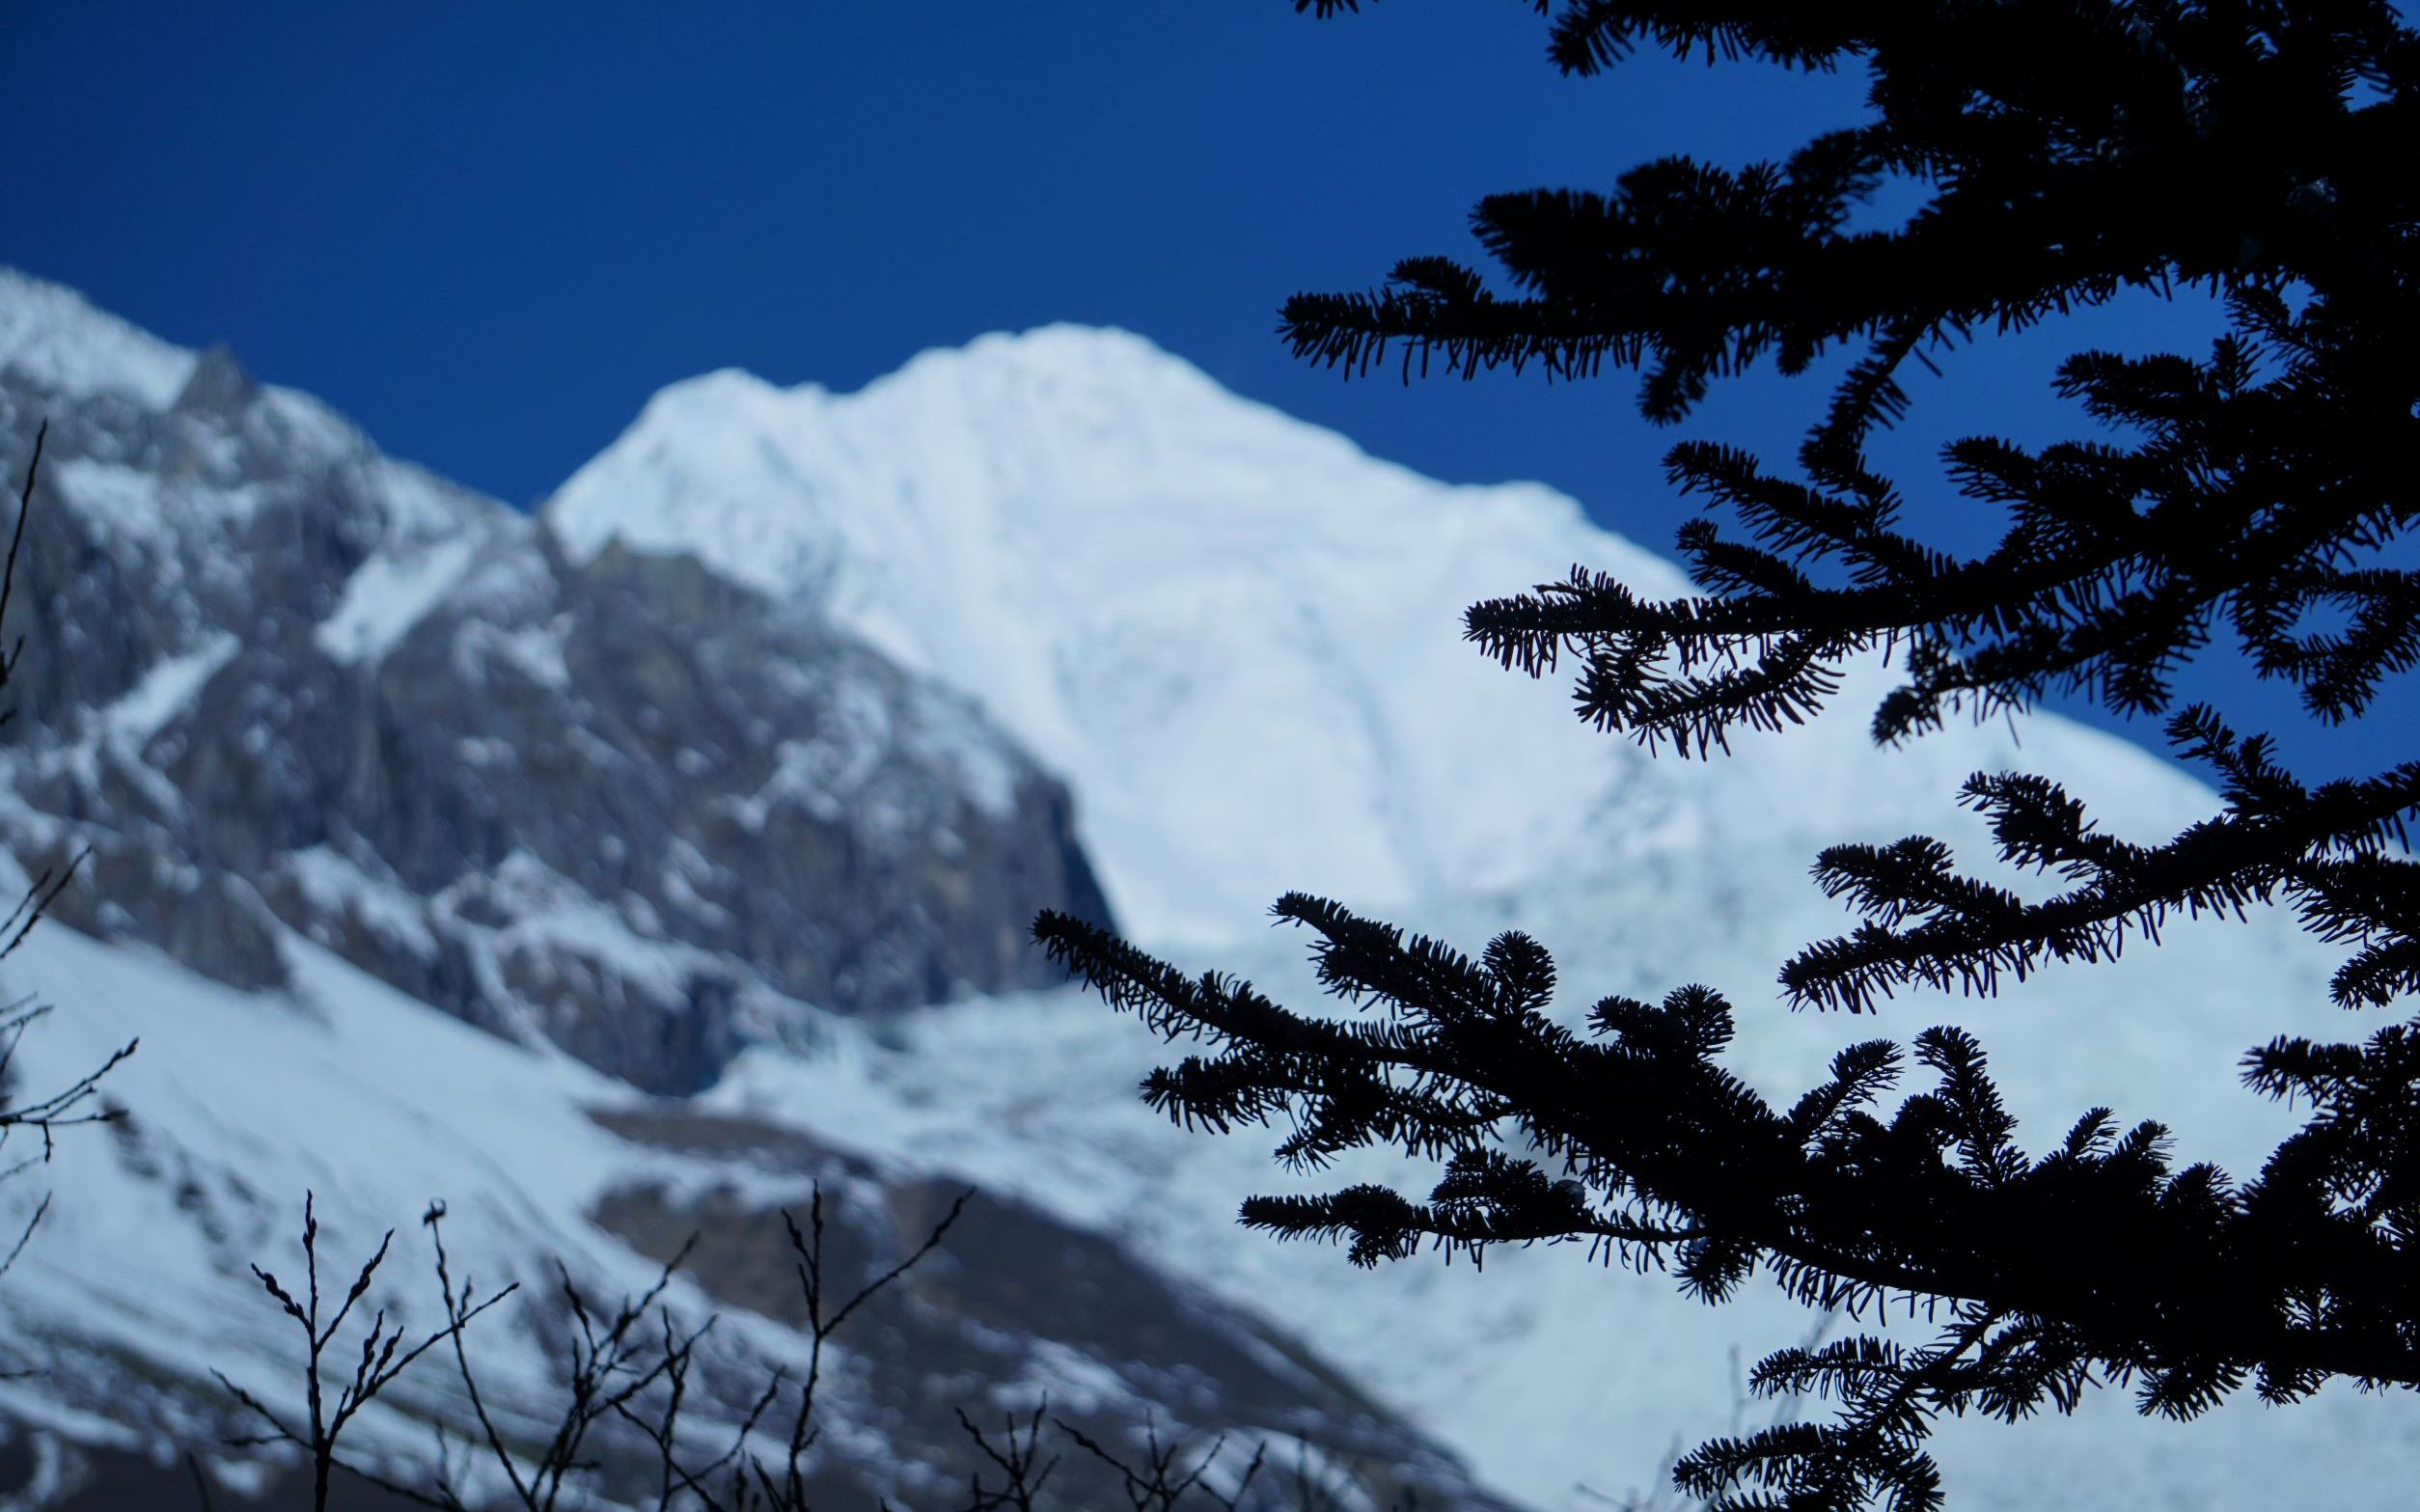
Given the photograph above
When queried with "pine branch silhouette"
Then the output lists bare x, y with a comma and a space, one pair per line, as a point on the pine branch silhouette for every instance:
2064, 153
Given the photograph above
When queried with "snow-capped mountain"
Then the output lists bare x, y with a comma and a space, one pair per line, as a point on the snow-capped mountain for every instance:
349, 743
366, 767
1239, 637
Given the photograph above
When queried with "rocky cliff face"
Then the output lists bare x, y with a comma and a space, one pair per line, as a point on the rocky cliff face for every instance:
625, 806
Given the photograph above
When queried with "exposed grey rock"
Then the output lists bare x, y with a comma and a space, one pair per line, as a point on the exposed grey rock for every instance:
629, 808
219, 389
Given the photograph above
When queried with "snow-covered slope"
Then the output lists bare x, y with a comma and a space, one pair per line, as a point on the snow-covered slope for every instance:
136, 1287
52, 334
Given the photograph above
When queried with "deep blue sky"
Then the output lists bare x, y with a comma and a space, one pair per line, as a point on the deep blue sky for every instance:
488, 231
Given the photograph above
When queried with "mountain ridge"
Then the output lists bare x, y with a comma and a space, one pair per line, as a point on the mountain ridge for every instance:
1169, 593
349, 697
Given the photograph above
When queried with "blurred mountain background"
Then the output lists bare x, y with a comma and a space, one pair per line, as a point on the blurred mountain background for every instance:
624, 867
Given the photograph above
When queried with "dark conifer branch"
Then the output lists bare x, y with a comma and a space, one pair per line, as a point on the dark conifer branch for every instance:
2065, 154
2290, 1278
2322, 850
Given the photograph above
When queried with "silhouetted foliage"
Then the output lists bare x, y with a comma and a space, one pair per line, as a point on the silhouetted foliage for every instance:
2065, 151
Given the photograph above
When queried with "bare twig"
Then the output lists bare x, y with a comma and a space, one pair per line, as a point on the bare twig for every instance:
48, 1114
383, 1357
1157, 1486
755, 1486
1015, 1457
609, 1369
16, 543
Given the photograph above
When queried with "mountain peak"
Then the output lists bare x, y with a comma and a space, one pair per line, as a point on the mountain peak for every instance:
1059, 349
1037, 430
1046, 361
1166, 589
1125, 403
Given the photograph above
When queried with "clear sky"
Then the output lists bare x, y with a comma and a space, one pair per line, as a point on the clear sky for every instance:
487, 232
